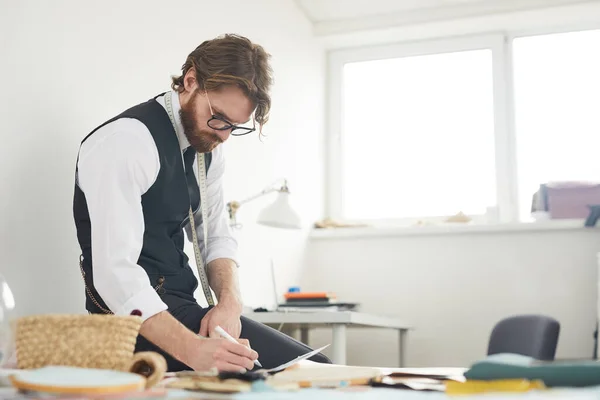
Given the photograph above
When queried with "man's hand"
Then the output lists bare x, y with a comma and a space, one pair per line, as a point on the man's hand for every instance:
225, 315
223, 278
222, 354
200, 354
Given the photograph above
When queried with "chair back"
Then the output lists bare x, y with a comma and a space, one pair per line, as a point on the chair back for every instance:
529, 335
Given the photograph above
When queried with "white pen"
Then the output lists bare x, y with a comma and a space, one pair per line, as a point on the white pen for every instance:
227, 336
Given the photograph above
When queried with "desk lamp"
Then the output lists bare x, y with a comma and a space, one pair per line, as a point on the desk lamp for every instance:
278, 214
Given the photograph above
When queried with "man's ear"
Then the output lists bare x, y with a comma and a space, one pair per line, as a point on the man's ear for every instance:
189, 81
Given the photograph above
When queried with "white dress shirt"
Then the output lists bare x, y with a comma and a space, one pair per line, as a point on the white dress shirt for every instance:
117, 165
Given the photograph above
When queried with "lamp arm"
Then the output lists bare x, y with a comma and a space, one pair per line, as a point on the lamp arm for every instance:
256, 196
233, 206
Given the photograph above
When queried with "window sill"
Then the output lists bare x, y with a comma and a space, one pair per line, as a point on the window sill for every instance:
449, 228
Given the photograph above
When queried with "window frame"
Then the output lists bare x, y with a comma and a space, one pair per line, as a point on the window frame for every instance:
524, 33
506, 173
503, 132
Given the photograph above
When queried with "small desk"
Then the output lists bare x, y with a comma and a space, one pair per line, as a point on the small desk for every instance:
338, 320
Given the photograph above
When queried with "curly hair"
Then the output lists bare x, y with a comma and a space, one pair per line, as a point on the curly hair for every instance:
232, 59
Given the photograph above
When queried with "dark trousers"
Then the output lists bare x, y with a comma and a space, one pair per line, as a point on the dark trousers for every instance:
273, 347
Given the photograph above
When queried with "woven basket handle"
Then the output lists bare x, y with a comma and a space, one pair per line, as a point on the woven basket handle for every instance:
149, 364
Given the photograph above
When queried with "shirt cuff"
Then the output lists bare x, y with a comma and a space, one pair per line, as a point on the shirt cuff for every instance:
222, 248
147, 301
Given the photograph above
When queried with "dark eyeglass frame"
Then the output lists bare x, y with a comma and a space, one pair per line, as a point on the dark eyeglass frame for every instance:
244, 130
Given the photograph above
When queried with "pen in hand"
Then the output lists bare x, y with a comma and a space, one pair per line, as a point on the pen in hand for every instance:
230, 338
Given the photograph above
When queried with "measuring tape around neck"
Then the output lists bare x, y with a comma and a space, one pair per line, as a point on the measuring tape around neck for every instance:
202, 273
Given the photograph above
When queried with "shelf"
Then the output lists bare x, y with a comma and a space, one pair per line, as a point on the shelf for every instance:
449, 228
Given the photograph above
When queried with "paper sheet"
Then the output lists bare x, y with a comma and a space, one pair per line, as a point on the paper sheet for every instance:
296, 360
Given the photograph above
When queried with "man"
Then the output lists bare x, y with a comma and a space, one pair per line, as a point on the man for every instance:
136, 183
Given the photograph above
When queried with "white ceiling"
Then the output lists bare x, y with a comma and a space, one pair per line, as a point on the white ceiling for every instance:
329, 16
326, 10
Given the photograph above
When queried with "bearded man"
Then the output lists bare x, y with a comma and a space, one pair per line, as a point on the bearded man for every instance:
155, 170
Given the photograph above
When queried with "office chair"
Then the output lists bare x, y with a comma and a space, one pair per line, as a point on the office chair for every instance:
529, 335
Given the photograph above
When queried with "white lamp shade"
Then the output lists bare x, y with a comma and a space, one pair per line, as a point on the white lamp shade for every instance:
280, 214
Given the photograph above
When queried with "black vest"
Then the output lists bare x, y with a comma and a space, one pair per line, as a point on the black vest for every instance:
165, 207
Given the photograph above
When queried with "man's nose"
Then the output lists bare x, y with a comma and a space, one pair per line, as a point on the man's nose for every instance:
223, 135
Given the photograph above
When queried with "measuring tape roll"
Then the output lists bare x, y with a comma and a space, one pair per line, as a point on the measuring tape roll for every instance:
202, 273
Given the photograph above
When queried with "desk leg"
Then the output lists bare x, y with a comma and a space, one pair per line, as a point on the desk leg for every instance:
402, 347
339, 344
304, 335
290, 330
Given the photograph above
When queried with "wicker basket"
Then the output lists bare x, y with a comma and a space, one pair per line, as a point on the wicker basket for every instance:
85, 341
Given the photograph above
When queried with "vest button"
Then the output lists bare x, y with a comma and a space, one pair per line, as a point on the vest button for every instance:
161, 280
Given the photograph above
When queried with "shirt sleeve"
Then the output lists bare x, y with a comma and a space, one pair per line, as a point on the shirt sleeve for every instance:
221, 243
117, 164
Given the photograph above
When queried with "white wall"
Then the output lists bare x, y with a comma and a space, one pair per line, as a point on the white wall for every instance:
67, 66
454, 287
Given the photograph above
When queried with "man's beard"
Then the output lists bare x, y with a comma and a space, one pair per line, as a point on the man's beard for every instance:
202, 141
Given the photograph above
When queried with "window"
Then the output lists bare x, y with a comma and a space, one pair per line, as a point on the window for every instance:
428, 123
474, 125
557, 110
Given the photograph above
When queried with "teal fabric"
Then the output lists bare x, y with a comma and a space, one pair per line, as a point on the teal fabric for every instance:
563, 373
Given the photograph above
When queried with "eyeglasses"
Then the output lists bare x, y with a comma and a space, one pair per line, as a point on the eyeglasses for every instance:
219, 123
